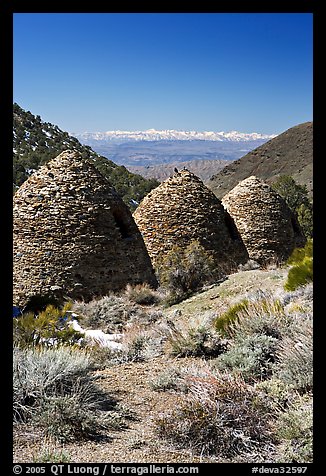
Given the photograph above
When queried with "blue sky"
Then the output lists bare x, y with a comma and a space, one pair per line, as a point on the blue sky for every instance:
187, 71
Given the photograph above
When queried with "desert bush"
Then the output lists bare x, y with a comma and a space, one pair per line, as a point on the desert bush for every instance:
300, 274
251, 356
140, 342
294, 430
194, 339
185, 270
219, 415
142, 294
298, 304
169, 379
54, 388
298, 254
295, 356
301, 271
277, 392
49, 327
109, 313
39, 373
264, 315
67, 418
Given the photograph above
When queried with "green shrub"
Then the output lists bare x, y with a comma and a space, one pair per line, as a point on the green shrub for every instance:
296, 197
185, 270
169, 379
219, 415
299, 254
263, 315
301, 271
260, 314
305, 218
223, 321
276, 391
294, 430
251, 356
300, 274
49, 327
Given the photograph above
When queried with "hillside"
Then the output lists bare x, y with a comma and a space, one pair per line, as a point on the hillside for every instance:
290, 153
153, 390
203, 168
35, 142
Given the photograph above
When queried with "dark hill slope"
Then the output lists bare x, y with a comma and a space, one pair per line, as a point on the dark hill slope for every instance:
35, 142
290, 153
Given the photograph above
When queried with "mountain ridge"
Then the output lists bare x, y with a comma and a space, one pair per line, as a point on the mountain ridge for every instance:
290, 153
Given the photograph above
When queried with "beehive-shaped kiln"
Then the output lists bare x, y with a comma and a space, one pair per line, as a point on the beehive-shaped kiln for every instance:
73, 235
268, 227
183, 209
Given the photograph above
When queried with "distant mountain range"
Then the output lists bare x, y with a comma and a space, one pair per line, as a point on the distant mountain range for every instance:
290, 153
152, 147
171, 134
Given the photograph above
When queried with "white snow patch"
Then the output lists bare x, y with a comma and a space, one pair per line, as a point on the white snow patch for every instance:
96, 336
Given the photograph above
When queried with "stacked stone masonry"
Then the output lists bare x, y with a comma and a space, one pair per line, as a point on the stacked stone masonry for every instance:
73, 235
268, 228
183, 209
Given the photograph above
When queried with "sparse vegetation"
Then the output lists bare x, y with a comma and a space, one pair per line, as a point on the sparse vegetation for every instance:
185, 270
194, 339
219, 415
294, 429
237, 391
142, 294
301, 271
51, 453
295, 356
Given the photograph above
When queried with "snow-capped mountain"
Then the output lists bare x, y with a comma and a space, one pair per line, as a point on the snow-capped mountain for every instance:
172, 135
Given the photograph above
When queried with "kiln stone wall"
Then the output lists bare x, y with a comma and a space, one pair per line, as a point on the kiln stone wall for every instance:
267, 226
183, 209
73, 236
